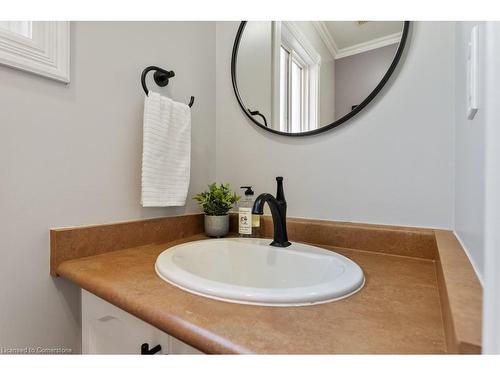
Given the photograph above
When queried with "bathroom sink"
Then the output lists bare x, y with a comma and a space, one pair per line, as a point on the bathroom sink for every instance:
249, 271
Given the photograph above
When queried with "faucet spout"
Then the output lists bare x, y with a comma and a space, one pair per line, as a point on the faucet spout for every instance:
278, 212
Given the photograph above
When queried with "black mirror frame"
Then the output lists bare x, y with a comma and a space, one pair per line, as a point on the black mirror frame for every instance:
336, 123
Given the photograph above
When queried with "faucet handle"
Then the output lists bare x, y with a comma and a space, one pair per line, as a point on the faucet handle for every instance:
280, 194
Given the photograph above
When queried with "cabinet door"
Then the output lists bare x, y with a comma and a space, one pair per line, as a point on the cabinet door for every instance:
106, 329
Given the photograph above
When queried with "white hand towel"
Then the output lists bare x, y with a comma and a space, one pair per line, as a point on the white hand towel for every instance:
166, 155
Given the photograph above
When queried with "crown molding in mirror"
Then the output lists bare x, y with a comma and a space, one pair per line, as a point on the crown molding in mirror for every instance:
46, 53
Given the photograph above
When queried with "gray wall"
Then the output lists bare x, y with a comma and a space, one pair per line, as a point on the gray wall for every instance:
71, 155
327, 93
254, 68
356, 76
391, 164
470, 141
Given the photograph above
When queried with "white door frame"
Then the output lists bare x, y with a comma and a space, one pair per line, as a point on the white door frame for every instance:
491, 301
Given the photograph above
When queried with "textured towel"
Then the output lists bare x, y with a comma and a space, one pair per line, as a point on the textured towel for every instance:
166, 152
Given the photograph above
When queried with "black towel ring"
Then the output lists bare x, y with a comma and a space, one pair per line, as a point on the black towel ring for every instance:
161, 77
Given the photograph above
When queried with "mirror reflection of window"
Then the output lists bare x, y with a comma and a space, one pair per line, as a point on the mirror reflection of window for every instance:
298, 79
283, 102
23, 28
305, 75
292, 93
297, 95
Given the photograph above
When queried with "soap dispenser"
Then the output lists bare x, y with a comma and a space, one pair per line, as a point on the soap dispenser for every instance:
246, 221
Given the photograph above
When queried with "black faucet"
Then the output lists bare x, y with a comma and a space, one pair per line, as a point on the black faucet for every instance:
278, 210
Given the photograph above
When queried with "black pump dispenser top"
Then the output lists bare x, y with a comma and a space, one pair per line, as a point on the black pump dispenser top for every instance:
248, 190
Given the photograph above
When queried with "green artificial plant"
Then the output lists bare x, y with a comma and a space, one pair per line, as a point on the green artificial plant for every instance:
218, 200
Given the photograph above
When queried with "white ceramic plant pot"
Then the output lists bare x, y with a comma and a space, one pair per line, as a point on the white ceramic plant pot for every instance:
216, 226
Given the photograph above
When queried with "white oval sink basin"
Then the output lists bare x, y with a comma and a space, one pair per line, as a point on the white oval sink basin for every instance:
249, 271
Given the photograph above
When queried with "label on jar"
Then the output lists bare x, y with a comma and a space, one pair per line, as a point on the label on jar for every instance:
245, 220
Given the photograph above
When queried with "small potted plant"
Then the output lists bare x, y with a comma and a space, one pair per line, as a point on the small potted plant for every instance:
216, 203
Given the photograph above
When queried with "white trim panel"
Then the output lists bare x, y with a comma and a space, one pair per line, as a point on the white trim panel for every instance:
326, 37
338, 53
47, 53
370, 45
291, 33
491, 306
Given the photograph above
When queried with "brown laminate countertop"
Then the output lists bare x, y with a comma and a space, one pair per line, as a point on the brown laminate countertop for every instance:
461, 296
397, 311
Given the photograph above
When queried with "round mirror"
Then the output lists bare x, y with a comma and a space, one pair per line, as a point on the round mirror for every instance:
304, 77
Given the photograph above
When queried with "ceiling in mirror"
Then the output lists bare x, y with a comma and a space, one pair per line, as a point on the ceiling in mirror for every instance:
304, 77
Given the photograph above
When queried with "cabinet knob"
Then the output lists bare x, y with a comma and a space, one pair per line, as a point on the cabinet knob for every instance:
145, 349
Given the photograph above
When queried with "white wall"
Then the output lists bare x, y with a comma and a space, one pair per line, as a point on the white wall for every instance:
392, 163
477, 170
71, 155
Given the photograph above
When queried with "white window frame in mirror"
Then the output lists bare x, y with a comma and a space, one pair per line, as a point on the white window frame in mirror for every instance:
288, 33
46, 53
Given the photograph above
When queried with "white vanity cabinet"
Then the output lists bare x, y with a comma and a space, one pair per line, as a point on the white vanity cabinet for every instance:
106, 329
